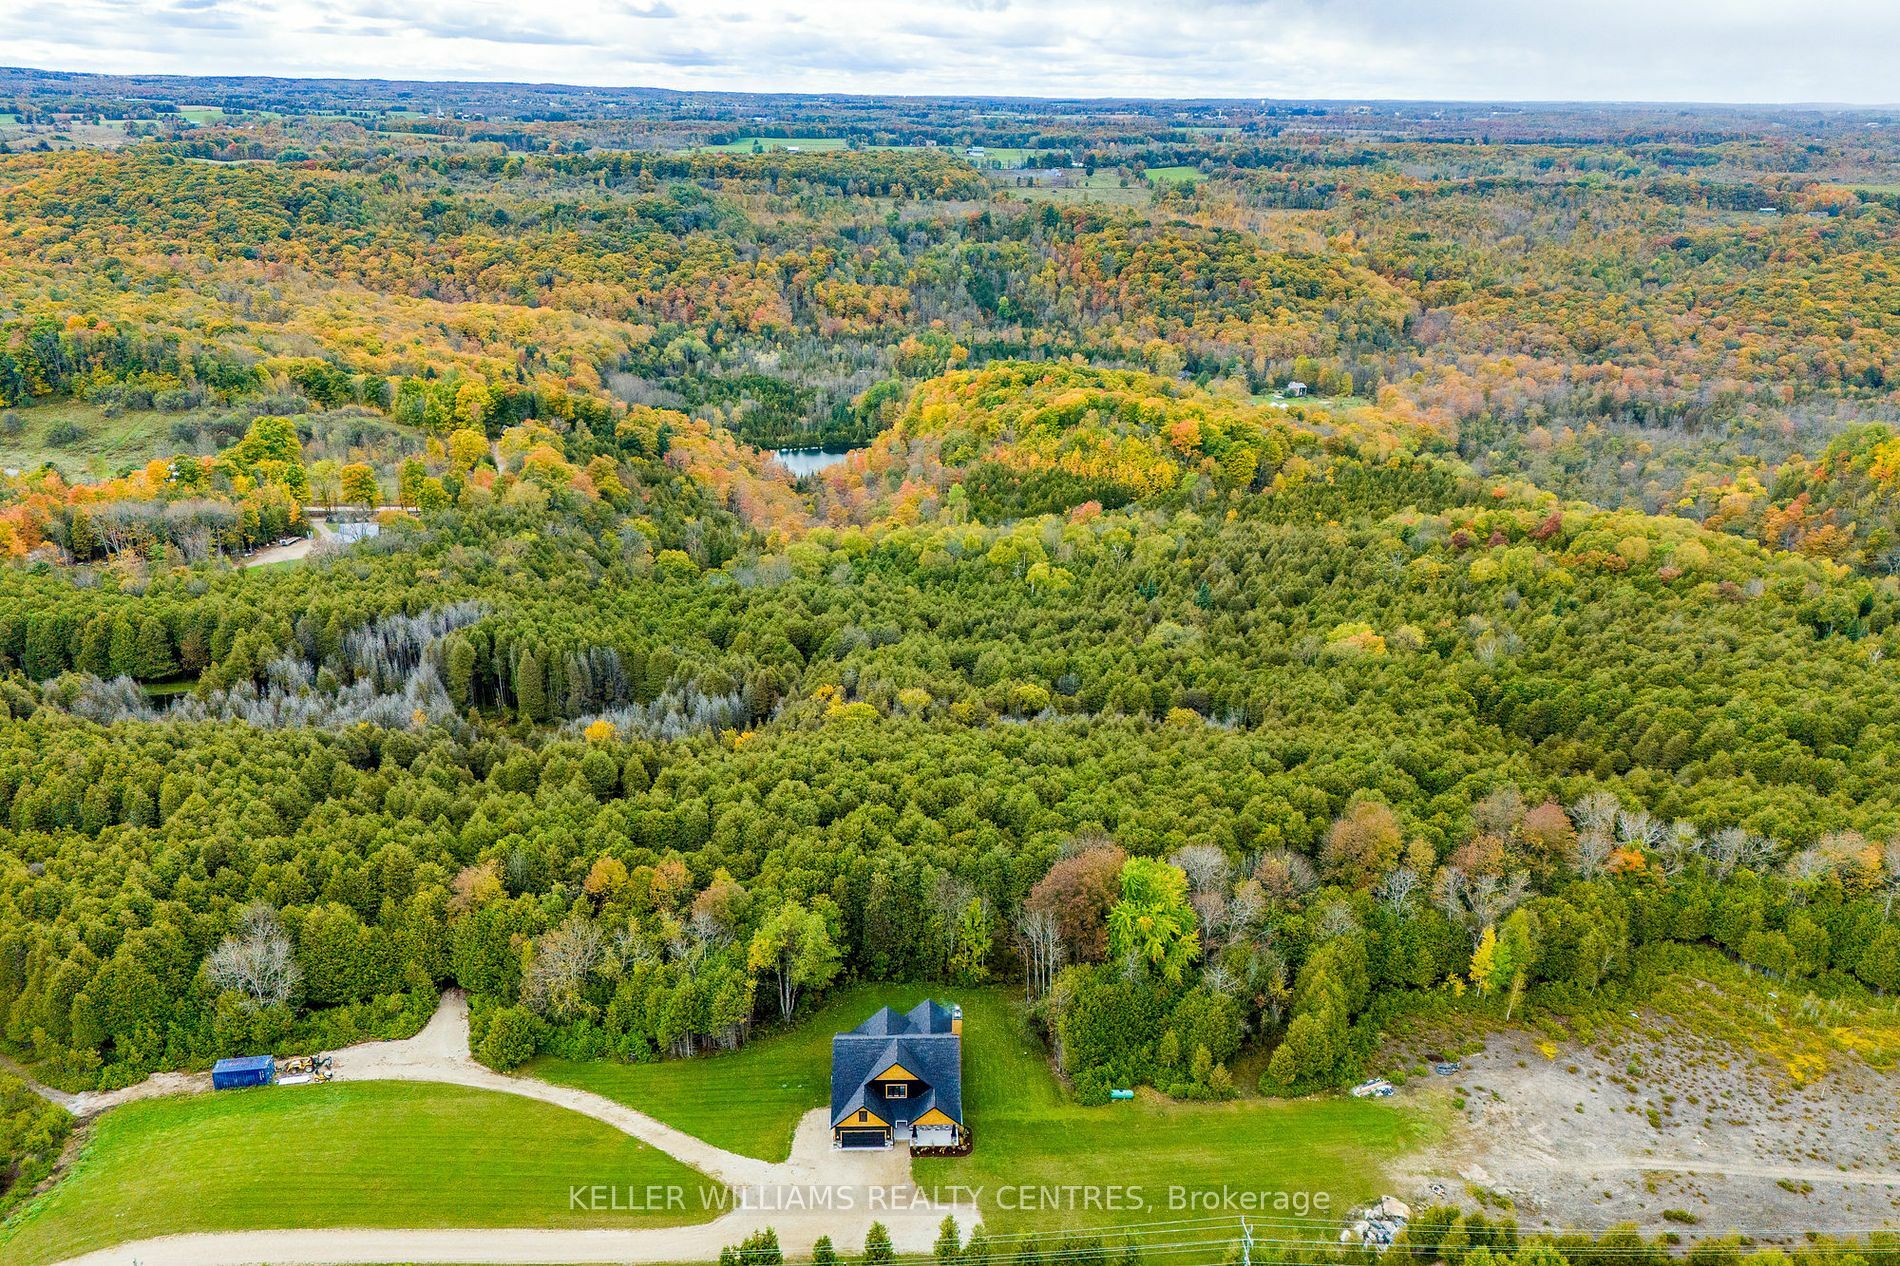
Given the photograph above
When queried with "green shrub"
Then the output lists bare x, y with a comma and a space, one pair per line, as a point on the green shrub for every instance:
511, 1039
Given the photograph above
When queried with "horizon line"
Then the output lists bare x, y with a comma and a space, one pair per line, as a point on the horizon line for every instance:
1606, 103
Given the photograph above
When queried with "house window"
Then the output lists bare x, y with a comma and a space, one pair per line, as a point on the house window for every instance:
896, 1090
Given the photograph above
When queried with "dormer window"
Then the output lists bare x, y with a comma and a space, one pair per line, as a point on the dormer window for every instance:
896, 1090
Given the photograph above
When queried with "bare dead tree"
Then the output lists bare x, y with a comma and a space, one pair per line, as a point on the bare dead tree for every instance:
1245, 909
707, 931
255, 961
1336, 919
1591, 853
1725, 849
1809, 865
1491, 898
1680, 842
558, 968
1889, 875
1637, 828
1397, 888
1206, 866
1040, 937
1758, 852
1210, 907
1595, 812
1843, 849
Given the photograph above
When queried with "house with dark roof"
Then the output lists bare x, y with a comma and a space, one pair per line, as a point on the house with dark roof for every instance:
898, 1079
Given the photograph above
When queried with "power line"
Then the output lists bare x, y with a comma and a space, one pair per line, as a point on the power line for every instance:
1161, 1241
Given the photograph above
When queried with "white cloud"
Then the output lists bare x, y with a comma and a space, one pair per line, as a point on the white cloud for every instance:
1701, 50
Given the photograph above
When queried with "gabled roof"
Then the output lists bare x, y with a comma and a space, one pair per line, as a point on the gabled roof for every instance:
921, 1041
925, 1017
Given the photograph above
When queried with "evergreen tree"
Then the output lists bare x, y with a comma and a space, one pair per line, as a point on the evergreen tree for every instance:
154, 656
123, 651
530, 688
949, 1246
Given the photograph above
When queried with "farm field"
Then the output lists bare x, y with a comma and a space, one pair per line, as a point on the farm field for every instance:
1002, 156
1102, 187
809, 144
369, 1154
1180, 174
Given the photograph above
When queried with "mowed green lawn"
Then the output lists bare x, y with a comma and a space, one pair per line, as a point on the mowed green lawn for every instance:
748, 1101
1039, 1156
1028, 1132
368, 1154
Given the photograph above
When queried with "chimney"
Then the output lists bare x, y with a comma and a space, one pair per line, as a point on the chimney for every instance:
956, 1020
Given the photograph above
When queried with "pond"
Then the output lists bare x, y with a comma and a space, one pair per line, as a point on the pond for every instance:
809, 461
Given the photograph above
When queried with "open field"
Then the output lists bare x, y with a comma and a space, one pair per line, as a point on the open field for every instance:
107, 135
1179, 175
101, 446
1005, 156
202, 114
1333, 403
1104, 187
97, 446
809, 144
364, 1154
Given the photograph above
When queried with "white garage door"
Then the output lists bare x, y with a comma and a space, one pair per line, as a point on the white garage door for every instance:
933, 1136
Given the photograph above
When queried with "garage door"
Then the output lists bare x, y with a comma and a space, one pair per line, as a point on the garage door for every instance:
934, 1136
862, 1138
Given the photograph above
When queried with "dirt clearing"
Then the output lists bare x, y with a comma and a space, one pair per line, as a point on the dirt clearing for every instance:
1663, 1127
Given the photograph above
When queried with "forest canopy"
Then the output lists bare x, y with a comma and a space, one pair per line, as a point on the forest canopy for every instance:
1388, 570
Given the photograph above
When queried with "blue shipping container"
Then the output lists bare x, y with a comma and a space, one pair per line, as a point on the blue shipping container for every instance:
248, 1070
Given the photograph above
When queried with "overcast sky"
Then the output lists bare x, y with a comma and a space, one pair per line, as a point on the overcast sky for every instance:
1645, 50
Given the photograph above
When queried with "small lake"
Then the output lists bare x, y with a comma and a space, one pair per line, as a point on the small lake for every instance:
809, 461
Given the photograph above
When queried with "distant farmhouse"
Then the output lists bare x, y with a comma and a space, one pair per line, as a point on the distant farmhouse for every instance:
899, 1079
1296, 388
